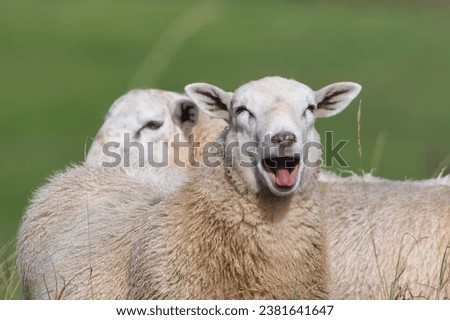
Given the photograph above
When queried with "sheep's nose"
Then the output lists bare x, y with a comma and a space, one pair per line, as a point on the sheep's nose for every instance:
284, 137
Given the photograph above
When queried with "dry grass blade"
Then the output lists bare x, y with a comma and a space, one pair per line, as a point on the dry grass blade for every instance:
359, 130
9, 279
395, 290
444, 273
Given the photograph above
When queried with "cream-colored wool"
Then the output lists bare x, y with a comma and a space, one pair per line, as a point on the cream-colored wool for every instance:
83, 249
232, 232
387, 239
206, 131
210, 241
75, 213
79, 249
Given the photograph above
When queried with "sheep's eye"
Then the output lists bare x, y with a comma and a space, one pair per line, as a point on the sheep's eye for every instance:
312, 107
153, 125
240, 109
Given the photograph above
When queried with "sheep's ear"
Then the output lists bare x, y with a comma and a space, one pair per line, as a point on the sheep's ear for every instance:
213, 101
334, 98
185, 115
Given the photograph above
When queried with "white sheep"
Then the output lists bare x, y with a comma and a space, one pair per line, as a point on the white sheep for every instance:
387, 239
56, 257
75, 238
248, 228
148, 116
136, 126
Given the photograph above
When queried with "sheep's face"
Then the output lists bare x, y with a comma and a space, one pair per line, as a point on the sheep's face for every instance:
140, 126
277, 115
272, 121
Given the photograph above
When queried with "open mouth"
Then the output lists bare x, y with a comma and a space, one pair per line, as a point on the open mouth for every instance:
282, 171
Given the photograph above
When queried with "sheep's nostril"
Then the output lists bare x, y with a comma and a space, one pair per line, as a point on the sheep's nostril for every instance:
284, 137
291, 138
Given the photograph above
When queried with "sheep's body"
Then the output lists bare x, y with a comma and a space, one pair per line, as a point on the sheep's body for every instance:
75, 240
72, 230
240, 232
204, 244
387, 239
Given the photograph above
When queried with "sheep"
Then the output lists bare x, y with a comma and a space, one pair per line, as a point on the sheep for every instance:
142, 114
143, 117
77, 249
248, 228
387, 239
56, 256
206, 132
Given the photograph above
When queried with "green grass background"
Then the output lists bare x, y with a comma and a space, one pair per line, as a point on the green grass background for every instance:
62, 64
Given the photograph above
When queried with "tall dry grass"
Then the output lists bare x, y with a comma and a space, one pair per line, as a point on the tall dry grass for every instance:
9, 279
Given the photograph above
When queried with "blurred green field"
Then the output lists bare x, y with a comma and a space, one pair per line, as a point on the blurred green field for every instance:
62, 63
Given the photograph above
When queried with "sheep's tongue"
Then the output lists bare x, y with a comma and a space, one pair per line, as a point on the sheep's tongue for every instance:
283, 178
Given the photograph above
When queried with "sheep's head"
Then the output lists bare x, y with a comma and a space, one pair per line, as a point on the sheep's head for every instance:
143, 119
277, 116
